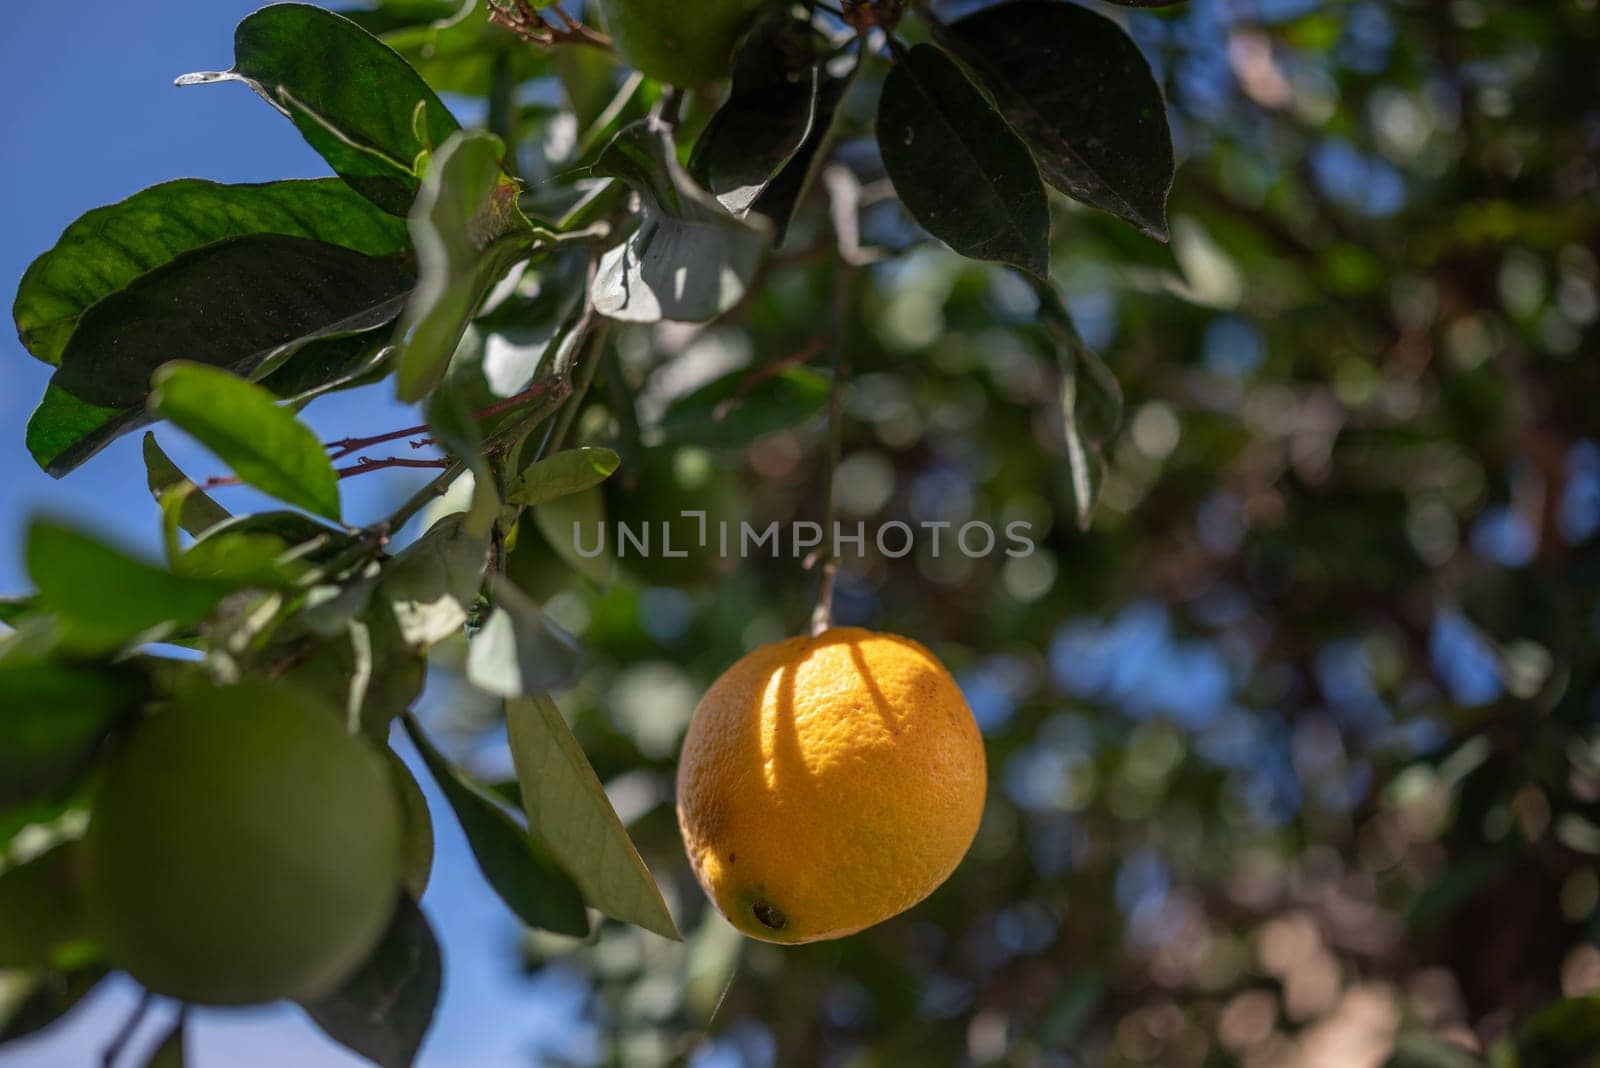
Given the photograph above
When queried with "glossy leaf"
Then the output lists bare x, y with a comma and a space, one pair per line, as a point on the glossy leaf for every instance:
109, 247
242, 303
1078, 90
518, 650
957, 166
353, 98
240, 422
105, 597
299, 293
384, 1010
739, 407
571, 471
464, 225
567, 808
689, 260
527, 877
769, 111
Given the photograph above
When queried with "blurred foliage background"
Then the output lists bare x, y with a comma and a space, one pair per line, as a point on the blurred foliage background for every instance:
1294, 754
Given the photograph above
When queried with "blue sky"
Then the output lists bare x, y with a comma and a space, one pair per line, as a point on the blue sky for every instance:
90, 116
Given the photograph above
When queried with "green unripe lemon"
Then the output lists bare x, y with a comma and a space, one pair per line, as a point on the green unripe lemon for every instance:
243, 848
679, 43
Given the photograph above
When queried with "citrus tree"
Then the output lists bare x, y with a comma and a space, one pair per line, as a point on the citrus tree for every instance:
1286, 737
221, 720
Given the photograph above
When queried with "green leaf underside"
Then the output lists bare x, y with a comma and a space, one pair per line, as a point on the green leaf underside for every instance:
740, 407
198, 513
957, 166
384, 1010
247, 304
564, 473
434, 581
105, 597
519, 651
770, 109
689, 260
1082, 95
567, 807
1091, 405
242, 423
109, 247
353, 98
522, 871
460, 225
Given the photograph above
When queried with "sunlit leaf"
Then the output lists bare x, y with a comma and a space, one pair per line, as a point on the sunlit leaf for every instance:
689, 260
571, 471
352, 97
240, 422
567, 808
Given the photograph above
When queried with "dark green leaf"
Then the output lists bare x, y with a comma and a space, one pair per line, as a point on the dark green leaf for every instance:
770, 109
384, 1010
518, 650
104, 597
198, 512
689, 260
778, 200
351, 96
240, 422
242, 303
739, 407
51, 996
464, 224
572, 471
109, 247
958, 168
52, 719
522, 871
567, 808
1078, 90
418, 821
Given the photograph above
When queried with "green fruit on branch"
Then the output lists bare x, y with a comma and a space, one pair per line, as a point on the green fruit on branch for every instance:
243, 847
682, 44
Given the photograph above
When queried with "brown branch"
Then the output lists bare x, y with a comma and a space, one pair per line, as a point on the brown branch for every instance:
366, 463
338, 450
530, 24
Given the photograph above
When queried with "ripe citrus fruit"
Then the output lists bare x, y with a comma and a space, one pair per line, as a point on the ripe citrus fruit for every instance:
680, 43
829, 783
243, 848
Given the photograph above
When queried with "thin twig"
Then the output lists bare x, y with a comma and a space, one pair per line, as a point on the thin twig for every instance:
528, 23
844, 311
338, 450
367, 463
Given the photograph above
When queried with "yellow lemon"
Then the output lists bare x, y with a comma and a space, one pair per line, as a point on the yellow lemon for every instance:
829, 783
